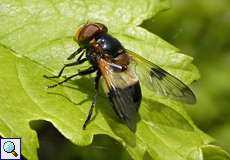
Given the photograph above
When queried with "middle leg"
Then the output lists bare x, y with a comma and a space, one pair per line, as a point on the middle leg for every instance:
94, 100
80, 73
79, 61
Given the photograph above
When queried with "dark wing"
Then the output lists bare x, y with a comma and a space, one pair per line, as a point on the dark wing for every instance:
123, 89
162, 82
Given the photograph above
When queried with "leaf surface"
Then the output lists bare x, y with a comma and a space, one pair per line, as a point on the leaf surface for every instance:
36, 39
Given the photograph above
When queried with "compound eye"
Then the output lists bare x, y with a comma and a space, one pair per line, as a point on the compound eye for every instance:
89, 31
102, 27
86, 33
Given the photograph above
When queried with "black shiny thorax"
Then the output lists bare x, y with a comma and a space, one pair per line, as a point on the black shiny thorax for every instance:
106, 46
110, 45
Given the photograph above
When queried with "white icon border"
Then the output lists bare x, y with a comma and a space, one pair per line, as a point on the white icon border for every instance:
20, 149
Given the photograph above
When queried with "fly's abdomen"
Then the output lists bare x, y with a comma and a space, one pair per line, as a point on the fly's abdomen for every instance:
126, 102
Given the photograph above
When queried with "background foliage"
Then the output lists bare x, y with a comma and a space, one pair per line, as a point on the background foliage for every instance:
202, 29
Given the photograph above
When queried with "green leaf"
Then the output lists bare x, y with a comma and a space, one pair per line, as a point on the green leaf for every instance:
36, 39
214, 153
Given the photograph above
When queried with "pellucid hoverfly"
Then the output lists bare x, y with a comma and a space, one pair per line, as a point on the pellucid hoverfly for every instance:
122, 71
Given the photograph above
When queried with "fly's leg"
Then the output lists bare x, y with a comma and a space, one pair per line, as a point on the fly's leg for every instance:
79, 61
94, 100
80, 73
79, 50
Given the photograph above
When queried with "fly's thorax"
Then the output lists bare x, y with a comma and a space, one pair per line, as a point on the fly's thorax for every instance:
108, 49
110, 45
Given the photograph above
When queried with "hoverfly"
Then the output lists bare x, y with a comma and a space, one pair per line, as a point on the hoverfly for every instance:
122, 71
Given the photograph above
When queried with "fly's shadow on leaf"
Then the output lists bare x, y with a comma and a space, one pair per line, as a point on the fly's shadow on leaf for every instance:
81, 84
52, 142
147, 156
103, 105
160, 114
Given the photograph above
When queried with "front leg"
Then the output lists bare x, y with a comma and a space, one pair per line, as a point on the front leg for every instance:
67, 65
74, 54
80, 73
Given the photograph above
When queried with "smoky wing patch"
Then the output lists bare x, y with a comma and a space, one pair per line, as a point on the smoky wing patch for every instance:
168, 85
158, 72
160, 81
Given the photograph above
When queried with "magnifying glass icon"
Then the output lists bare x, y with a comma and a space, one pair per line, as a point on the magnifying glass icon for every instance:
9, 147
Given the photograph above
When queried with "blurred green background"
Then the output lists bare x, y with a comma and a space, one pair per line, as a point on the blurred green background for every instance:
200, 28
